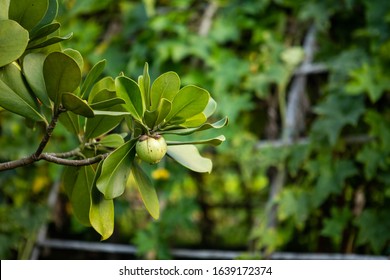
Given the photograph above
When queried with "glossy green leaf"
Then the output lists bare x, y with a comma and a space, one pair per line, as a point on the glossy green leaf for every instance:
50, 41
71, 122
100, 125
189, 157
164, 108
75, 104
61, 74
76, 55
101, 212
213, 141
104, 89
13, 41
115, 170
78, 190
91, 78
4, 6
28, 13
189, 101
165, 86
112, 141
150, 118
129, 91
107, 103
14, 95
44, 31
144, 85
51, 14
104, 121
33, 71
185, 131
195, 121
147, 191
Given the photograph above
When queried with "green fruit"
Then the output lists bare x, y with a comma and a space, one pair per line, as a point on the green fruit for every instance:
151, 148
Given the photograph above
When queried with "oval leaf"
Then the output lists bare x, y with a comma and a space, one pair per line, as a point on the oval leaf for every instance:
92, 77
147, 191
61, 74
189, 101
129, 91
189, 157
115, 170
15, 97
107, 103
165, 86
28, 13
78, 189
33, 71
101, 212
112, 141
78, 106
13, 41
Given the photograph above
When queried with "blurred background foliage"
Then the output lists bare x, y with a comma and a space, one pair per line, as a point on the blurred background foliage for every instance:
336, 192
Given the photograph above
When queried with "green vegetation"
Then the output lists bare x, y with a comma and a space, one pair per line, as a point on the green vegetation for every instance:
335, 189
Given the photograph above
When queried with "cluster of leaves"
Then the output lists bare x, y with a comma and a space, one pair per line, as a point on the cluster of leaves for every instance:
43, 83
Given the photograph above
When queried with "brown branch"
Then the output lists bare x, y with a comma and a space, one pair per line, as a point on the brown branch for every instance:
73, 162
58, 158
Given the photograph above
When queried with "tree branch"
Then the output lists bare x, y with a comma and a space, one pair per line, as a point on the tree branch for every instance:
58, 158
73, 162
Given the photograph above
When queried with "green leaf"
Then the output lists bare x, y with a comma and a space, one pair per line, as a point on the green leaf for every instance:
104, 89
76, 55
101, 212
150, 118
370, 79
100, 125
110, 113
104, 121
147, 191
373, 224
71, 122
195, 121
112, 141
164, 108
4, 7
129, 91
165, 86
189, 101
13, 41
78, 106
50, 41
28, 13
107, 103
33, 71
185, 131
91, 78
213, 141
14, 95
144, 85
189, 157
78, 190
50, 15
116, 169
44, 31
62, 74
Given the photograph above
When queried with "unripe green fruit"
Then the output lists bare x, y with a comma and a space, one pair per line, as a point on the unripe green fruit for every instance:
151, 148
